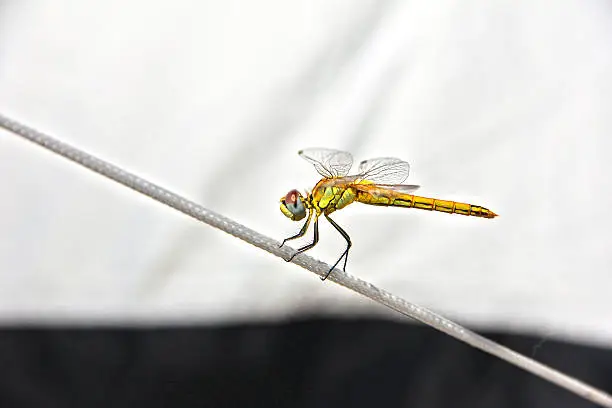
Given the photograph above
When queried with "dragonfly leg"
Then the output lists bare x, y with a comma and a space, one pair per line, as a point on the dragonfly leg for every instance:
312, 244
302, 231
346, 251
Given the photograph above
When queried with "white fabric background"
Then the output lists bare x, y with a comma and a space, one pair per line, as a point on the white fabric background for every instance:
504, 104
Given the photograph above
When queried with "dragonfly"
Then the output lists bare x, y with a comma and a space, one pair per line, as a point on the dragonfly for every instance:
377, 182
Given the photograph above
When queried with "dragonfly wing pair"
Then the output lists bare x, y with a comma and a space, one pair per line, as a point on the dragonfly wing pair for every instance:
387, 172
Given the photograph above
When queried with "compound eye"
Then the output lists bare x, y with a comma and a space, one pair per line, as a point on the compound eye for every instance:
292, 197
293, 203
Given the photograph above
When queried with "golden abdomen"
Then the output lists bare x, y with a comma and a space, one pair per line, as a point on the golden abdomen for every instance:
394, 199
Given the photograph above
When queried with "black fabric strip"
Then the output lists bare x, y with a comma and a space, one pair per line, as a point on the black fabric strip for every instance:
309, 363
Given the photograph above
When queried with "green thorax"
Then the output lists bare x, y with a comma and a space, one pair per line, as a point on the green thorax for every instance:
330, 195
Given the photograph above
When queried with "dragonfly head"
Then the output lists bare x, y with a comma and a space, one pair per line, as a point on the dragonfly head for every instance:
292, 205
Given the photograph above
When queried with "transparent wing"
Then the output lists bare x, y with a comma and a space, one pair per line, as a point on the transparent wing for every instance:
329, 163
384, 170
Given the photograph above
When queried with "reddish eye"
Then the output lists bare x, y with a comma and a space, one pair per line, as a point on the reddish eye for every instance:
292, 197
